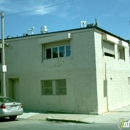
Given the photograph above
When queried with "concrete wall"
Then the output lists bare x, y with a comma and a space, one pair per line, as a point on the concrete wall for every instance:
112, 76
25, 60
95, 83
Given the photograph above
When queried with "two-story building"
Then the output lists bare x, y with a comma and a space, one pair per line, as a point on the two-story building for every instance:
85, 70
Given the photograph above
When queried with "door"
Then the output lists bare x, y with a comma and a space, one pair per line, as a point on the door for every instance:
14, 92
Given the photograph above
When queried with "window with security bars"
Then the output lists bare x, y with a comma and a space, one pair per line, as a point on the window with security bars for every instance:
54, 87
47, 87
61, 87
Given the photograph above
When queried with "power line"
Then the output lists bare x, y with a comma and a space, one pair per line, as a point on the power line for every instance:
40, 8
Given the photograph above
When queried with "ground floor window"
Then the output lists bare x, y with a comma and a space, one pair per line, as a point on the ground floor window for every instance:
108, 49
47, 86
53, 87
61, 87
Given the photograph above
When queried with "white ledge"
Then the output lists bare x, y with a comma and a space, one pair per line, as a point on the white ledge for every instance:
110, 38
54, 38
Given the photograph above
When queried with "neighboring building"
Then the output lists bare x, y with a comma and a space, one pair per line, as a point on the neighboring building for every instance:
84, 70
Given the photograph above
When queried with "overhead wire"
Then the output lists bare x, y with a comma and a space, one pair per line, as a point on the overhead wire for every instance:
40, 8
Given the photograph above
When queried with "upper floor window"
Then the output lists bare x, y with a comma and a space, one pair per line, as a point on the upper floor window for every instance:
59, 51
121, 52
0, 89
108, 49
129, 52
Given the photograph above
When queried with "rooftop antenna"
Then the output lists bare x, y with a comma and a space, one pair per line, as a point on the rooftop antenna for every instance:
96, 22
30, 30
83, 24
129, 28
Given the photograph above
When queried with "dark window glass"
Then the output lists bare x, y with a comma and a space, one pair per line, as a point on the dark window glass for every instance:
110, 55
48, 83
68, 51
61, 51
55, 52
48, 53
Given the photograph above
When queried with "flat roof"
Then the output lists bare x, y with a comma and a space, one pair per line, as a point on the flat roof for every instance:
77, 29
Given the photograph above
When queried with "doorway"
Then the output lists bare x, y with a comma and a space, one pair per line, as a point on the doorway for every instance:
14, 91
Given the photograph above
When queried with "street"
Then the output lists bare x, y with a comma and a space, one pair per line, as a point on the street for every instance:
27, 124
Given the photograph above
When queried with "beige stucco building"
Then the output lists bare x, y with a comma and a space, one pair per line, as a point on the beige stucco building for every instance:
85, 70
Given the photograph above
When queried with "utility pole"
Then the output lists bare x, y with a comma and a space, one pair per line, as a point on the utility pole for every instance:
3, 55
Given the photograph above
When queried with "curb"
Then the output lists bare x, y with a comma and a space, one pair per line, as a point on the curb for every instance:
67, 120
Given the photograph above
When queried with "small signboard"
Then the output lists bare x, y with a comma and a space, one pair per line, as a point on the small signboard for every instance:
4, 68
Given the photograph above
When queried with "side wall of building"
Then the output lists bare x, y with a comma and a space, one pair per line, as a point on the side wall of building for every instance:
113, 74
27, 67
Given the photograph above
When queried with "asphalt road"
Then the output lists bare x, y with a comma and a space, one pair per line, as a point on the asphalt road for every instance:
25, 124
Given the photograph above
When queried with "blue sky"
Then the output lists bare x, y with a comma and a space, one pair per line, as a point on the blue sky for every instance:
112, 15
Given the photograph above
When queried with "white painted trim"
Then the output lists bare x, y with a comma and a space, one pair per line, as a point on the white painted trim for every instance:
111, 38
124, 44
54, 38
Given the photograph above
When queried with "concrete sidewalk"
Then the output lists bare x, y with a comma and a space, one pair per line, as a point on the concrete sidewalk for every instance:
110, 117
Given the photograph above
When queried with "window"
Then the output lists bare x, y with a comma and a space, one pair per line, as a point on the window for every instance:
0, 56
54, 87
107, 54
48, 53
56, 52
108, 49
68, 51
121, 52
61, 87
0, 89
129, 52
129, 80
62, 51
47, 87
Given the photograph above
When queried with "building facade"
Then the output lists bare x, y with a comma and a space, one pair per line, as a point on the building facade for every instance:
84, 70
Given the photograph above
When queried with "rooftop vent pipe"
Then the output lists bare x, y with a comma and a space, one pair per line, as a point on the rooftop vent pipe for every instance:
44, 29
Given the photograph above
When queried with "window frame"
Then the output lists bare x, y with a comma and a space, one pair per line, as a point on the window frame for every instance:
43, 88
46, 53
128, 80
60, 87
58, 47
121, 52
0, 88
54, 88
107, 46
64, 55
